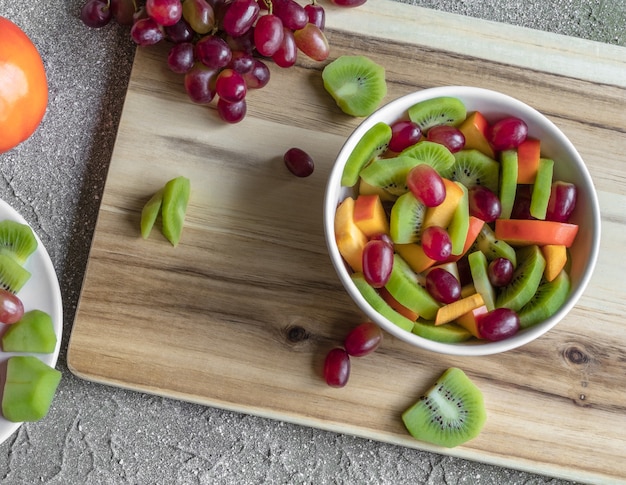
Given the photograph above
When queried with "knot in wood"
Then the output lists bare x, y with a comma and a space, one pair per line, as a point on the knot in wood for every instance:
576, 356
297, 334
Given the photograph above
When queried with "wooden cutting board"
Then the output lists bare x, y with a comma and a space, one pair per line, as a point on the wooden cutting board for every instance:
241, 314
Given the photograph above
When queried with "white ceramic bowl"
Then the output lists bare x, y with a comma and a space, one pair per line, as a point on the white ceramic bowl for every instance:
569, 167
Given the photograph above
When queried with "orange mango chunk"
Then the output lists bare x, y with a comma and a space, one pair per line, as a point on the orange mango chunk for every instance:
370, 216
414, 255
474, 128
524, 232
468, 320
350, 239
452, 311
528, 156
475, 225
556, 257
441, 215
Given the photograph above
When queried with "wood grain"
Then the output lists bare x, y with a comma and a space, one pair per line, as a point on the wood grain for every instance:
242, 312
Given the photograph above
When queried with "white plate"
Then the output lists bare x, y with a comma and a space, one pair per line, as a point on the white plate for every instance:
41, 292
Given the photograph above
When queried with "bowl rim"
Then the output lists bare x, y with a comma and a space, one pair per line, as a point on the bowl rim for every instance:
389, 113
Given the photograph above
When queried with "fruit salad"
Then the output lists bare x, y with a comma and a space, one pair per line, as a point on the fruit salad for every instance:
457, 228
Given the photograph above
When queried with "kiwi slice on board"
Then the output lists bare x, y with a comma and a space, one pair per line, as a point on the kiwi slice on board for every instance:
404, 286
406, 219
174, 208
356, 83
540, 193
34, 332
150, 212
444, 110
493, 248
508, 182
548, 298
472, 167
450, 413
448, 333
478, 268
17, 240
526, 279
379, 304
434, 154
371, 145
13, 276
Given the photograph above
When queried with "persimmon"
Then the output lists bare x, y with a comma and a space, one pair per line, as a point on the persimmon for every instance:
23, 86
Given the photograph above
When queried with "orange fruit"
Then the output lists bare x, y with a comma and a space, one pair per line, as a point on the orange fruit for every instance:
23, 86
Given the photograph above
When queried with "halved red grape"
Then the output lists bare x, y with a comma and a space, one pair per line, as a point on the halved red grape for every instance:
298, 162
449, 136
404, 133
426, 185
508, 133
363, 339
436, 243
483, 203
498, 324
500, 272
443, 285
377, 262
562, 201
337, 367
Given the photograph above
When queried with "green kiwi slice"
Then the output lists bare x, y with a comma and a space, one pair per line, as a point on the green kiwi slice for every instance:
548, 298
377, 303
434, 154
406, 219
404, 286
174, 208
13, 276
371, 145
17, 240
450, 333
478, 268
150, 212
540, 194
493, 248
33, 333
472, 167
508, 182
356, 83
443, 110
389, 174
450, 413
526, 279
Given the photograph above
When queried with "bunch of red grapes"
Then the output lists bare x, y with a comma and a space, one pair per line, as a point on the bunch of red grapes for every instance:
221, 46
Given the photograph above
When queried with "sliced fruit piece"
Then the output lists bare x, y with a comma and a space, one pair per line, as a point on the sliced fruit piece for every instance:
437, 111
508, 182
405, 287
478, 267
29, 388
459, 224
368, 189
441, 215
356, 83
548, 298
373, 143
406, 219
469, 320
379, 304
389, 173
474, 228
526, 279
150, 212
369, 215
528, 155
434, 154
450, 413
13, 276
524, 232
174, 208
556, 258
396, 305
33, 333
475, 128
449, 333
472, 167
540, 194
350, 239
454, 310
493, 247
17, 240
415, 256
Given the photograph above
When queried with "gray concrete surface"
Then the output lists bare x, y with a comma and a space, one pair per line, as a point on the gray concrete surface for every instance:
100, 435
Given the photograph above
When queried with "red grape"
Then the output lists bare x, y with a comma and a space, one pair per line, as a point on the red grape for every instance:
521, 206
200, 83
449, 136
239, 16
348, 3
213, 51
562, 201
312, 42
181, 31
426, 185
382, 237
287, 53
404, 133
443, 285
363, 339
96, 13
316, 14
230, 86
498, 324
244, 43
436, 243
146, 32
259, 76
291, 13
164, 12
200, 15
483, 203
507, 133
231, 112
298, 162
377, 262
500, 272
180, 58
337, 367
268, 34
241, 61
11, 307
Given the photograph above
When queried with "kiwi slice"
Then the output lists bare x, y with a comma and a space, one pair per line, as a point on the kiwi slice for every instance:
406, 219
525, 281
472, 167
150, 212
404, 286
540, 194
478, 267
356, 83
174, 208
371, 145
493, 248
508, 182
13, 276
450, 413
434, 154
34, 332
17, 240
448, 333
389, 174
548, 298
444, 110
377, 303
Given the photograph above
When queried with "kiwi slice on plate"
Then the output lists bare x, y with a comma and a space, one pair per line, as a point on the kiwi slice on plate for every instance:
406, 219
525, 281
450, 413
472, 167
548, 298
371, 145
17, 240
356, 83
13, 276
444, 110
449, 333
492, 247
